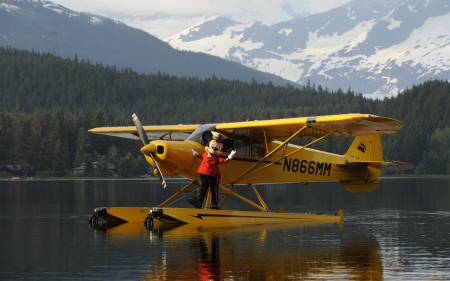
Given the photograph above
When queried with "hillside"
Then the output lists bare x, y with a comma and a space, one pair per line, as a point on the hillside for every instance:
44, 27
47, 99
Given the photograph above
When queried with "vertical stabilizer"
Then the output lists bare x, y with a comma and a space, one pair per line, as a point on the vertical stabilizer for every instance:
365, 149
366, 153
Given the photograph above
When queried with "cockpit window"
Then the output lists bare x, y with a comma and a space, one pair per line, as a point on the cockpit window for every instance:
247, 142
197, 134
243, 144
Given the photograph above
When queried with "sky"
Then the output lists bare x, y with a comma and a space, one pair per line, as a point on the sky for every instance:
164, 19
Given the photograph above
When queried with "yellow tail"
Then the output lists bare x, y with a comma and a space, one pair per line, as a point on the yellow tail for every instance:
365, 149
365, 152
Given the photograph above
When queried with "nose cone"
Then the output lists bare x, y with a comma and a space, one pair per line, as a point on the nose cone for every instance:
172, 156
149, 148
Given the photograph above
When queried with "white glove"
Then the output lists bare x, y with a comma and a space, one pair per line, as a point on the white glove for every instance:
231, 156
194, 153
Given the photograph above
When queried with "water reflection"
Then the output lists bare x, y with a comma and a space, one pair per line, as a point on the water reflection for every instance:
252, 252
398, 232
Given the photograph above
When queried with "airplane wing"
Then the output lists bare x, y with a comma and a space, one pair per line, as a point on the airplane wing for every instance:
343, 125
167, 132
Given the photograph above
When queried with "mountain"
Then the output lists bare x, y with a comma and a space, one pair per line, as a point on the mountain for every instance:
376, 47
47, 27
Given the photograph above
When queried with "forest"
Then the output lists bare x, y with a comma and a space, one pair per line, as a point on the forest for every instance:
48, 103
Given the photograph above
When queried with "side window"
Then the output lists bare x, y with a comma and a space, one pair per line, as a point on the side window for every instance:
258, 148
241, 145
245, 145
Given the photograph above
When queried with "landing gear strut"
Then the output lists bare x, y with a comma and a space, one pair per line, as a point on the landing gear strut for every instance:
154, 214
98, 213
148, 222
93, 220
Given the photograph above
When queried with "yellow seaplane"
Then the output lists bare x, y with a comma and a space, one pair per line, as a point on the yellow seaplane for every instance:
263, 153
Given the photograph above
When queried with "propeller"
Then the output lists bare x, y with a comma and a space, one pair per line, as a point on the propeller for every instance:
145, 141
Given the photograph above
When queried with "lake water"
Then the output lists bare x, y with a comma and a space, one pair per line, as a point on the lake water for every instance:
401, 231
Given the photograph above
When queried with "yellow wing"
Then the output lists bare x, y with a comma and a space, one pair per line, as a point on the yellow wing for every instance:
343, 125
168, 132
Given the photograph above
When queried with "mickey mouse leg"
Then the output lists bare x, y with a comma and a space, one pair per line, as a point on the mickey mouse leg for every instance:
214, 186
204, 188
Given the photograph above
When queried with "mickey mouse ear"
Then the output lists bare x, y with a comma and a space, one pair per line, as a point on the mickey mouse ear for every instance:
207, 136
228, 144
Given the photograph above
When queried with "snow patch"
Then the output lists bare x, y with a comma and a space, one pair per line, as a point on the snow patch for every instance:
286, 31
393, 24
54, 7
282, 68
430, 56
388, 90
59, 9
9, 7
350, 14
95, 20
411, 8
231, 38
74, 15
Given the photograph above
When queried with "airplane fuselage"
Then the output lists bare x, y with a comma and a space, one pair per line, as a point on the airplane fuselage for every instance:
306, 165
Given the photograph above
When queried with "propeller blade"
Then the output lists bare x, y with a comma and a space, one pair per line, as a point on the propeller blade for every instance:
163, 181
145, 141
140, 129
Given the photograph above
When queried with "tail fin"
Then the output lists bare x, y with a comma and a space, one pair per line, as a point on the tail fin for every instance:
365, 149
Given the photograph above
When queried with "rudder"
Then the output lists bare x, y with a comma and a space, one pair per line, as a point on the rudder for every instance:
365, 149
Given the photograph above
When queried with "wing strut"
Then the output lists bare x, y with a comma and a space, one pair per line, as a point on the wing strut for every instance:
230, 191
165, 203
247, 173
270, 154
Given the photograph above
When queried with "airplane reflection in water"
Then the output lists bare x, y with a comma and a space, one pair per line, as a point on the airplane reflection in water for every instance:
262, 252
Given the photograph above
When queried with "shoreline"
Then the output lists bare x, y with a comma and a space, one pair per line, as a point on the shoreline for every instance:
180, 178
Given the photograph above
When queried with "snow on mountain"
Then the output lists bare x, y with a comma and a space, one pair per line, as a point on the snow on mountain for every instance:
17, 7
375, 47
45, 27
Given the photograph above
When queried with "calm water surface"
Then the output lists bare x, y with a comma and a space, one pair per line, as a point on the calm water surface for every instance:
400, 231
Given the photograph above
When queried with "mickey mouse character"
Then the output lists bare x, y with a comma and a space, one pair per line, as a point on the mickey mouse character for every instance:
208, 169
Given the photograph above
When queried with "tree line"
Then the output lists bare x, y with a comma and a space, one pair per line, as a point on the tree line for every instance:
48, 103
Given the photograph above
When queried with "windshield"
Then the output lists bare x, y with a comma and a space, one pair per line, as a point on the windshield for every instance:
244, 140
197, 134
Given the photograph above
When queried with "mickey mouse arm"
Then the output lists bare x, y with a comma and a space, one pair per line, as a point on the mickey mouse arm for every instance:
194, 153
231, 156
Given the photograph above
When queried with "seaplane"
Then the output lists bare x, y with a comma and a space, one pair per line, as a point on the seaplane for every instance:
263, 153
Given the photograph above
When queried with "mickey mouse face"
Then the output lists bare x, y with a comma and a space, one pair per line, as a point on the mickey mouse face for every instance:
220, 139
216, 146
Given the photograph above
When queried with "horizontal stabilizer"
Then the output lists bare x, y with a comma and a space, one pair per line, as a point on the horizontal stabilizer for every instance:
396, 166
385, 166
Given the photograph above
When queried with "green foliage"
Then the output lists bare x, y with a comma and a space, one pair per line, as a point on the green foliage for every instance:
58, 160
88, 166
49, 103
5, 175
436, 158
102, 166
126, 166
